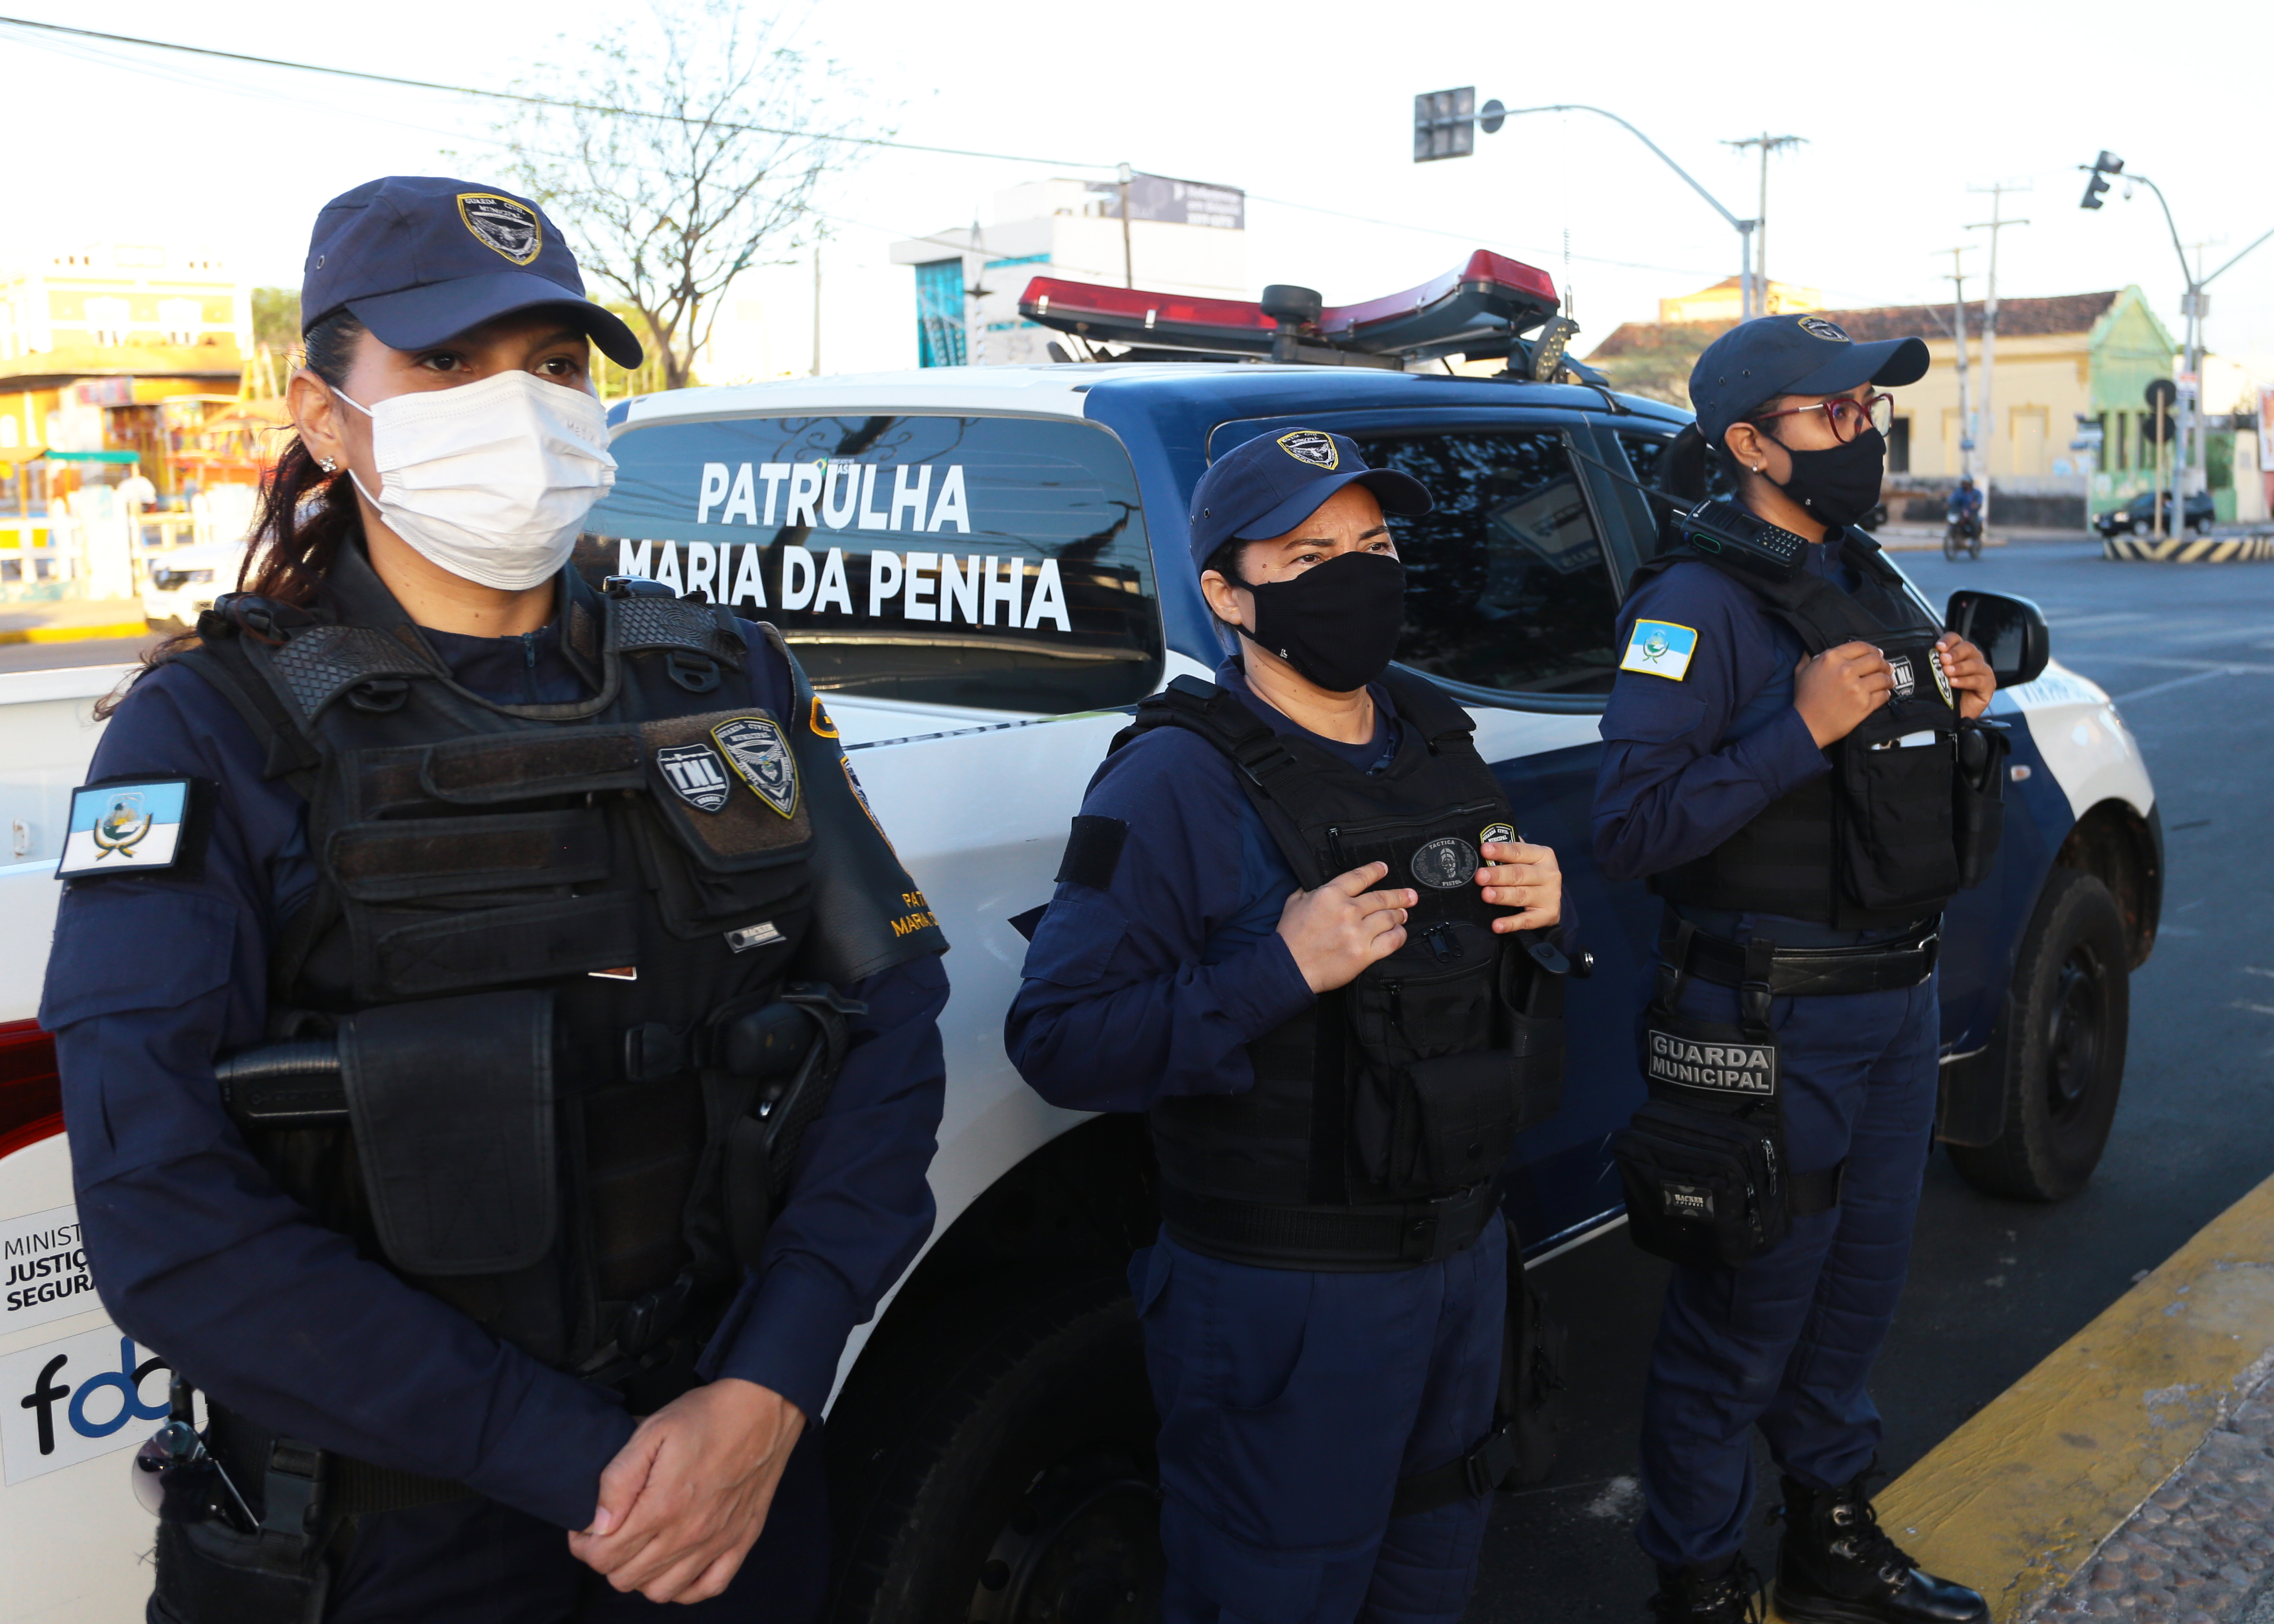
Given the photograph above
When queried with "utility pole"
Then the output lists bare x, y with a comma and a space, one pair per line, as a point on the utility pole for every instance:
818, 233
1128, 264
1768, 144
1956, 276
1996, 224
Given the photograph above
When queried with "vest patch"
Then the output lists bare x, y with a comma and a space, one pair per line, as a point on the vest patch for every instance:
1661, 649
1906, 679
1687, 1201
1497, 834
760, 757
696, 773
1941, 679
125, 828
1445, 865
1747, 1070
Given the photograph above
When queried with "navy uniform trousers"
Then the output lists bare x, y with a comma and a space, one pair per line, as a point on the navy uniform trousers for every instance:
1787, 1342
476, 1562
1290, 1403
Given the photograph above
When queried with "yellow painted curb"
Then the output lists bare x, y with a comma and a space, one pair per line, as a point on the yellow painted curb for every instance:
75, 633
2015, 1501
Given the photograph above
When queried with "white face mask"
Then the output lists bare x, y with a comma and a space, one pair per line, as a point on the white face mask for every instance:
491, 480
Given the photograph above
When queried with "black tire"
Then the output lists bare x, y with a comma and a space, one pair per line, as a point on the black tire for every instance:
2060, 1049
1950, 541
1016, 1481
1973, 544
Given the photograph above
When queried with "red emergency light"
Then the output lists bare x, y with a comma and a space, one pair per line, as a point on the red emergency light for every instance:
1482, 305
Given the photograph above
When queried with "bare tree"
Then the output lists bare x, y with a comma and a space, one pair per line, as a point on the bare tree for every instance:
668, 211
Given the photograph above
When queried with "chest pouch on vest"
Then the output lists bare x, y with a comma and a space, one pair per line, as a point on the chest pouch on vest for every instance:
451, 1101
1978, 805
1703, 1162
1459, 1037
732, 821
1897, 846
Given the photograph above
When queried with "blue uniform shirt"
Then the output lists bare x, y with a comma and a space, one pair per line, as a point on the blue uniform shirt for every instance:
1156, 985
1690, 759
196, 1254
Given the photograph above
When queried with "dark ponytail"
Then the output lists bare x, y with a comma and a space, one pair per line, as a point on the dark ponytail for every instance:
304, 512
302, 517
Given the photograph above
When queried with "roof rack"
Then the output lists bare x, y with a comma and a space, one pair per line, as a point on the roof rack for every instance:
1482, 307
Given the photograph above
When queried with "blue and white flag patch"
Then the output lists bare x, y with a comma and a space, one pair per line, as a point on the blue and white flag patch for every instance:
1660, 648
125, 828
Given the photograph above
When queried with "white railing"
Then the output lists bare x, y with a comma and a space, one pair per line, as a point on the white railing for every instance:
35, 550
38, 549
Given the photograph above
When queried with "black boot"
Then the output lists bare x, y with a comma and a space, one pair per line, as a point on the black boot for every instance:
1837, 1567
1730, 1594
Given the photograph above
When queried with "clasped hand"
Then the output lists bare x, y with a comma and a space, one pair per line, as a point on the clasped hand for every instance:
686, 1497
1837, 689
1337, 932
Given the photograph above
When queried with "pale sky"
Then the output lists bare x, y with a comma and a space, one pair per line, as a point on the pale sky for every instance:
1904, 109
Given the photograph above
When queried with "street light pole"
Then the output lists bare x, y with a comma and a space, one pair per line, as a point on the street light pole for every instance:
1956, 277
2194, 305
1750, 297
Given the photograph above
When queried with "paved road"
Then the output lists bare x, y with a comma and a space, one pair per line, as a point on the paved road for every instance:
87, 651
2189, 650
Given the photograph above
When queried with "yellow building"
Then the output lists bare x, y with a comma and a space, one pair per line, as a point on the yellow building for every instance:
1720, 302
119, 347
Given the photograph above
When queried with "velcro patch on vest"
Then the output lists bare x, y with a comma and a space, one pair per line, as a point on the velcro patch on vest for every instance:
1736, 1069
761, 819
525, 766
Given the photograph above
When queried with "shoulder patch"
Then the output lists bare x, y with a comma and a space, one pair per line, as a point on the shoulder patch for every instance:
1093, 852
1661, 649
137, 827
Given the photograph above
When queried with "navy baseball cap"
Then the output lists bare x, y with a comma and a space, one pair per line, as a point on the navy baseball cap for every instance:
1755, 361
419, 258
1266, 486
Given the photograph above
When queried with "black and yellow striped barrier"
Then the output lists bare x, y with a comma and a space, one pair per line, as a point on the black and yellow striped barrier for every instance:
2189, 549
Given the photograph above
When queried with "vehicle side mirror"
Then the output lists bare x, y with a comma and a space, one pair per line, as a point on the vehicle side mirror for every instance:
2010, 632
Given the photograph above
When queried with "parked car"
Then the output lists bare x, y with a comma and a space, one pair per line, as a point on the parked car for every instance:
2137, 517
985, 569
179, 585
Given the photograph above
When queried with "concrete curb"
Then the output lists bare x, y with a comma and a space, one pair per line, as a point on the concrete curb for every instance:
2017, 1501
2185, 550
74, 634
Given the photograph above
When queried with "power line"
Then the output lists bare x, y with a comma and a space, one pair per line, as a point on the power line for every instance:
525, 99
534, 100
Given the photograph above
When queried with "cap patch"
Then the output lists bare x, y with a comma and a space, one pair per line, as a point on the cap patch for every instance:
511, 229
1819, 327
1311, 446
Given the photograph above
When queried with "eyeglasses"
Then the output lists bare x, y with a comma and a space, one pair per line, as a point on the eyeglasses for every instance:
1849, 416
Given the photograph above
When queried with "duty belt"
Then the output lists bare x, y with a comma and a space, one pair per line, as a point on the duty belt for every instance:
1812, 972
1330, 1239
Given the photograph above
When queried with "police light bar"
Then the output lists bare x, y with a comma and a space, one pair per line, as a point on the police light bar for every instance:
1482, 305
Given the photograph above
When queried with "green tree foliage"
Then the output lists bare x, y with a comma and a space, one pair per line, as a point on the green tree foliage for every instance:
665, 212
276, 319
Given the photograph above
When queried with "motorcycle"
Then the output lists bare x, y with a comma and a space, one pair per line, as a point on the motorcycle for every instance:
1961, 533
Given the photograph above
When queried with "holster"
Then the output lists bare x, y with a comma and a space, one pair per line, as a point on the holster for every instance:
1978, 812
1702, 1162
210, 1572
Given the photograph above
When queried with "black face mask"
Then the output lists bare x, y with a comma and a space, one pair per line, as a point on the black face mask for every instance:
1337, 622
1841, 485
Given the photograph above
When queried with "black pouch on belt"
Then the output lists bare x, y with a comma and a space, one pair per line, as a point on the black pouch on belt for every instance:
452, 1104
1978, 805
1703, 1162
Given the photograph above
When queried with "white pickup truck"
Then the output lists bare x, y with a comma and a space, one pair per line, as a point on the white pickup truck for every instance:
985, 569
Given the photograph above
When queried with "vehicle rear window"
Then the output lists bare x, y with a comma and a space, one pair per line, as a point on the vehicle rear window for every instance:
1507, 586
994, 562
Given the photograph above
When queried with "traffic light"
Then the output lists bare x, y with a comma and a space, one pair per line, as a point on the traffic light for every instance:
1444, 125
2107, 164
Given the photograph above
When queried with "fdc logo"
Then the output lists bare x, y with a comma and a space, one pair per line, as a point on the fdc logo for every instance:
69, 1400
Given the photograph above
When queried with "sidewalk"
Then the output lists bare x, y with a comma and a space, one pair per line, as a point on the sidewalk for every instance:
2131, 1474
70, 620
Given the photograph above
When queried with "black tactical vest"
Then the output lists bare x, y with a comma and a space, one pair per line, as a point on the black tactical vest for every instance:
550, 942
1412, 1082
1869, 844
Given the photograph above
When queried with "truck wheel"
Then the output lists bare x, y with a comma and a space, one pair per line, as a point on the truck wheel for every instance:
1017, 1484
2060, 1049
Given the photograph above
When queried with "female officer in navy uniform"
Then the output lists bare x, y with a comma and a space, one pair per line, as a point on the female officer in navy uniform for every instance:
486, 1308
1324, 1310
1729, 735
